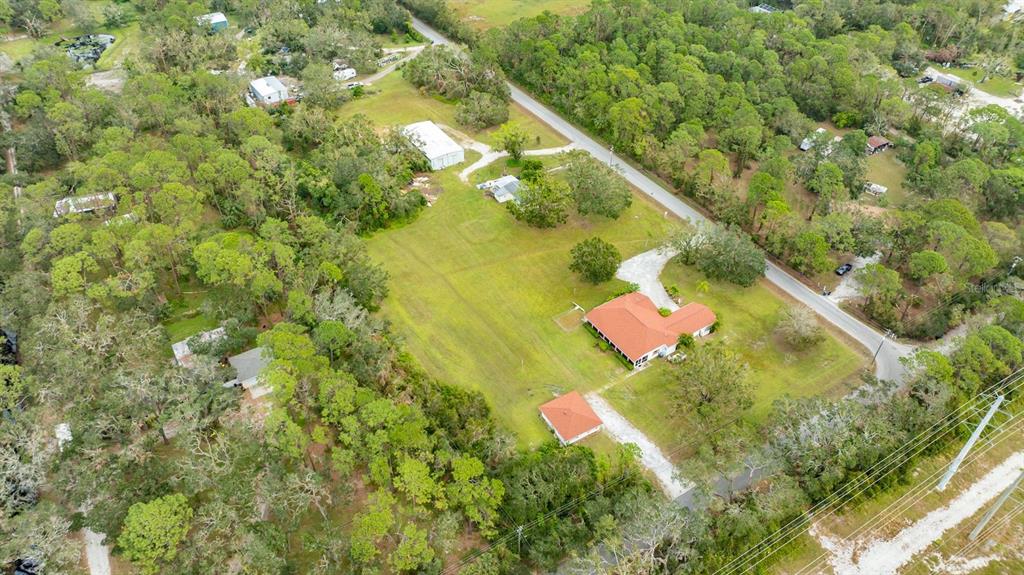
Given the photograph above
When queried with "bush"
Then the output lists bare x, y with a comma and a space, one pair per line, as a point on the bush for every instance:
664, 312
686, 341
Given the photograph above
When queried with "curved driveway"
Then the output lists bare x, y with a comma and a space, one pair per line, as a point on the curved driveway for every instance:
887, 365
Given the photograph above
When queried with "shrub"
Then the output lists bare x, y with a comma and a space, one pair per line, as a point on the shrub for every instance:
686, 341
664, 311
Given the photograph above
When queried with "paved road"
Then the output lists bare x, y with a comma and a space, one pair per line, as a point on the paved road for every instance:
887, 365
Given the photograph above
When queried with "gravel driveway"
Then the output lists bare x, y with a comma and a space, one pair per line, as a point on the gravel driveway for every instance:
97, 554
644, 270
650, 456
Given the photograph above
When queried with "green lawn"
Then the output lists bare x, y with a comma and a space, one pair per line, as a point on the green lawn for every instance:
475, 295
748, 317
394, 101
484, 14
185, 319
885, 169
996, 85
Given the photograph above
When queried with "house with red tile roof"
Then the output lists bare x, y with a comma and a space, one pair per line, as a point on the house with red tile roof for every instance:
877, 144
570, 417
632, 324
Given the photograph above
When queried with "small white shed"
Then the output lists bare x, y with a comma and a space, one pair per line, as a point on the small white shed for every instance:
343, 74
438, 147
268, 91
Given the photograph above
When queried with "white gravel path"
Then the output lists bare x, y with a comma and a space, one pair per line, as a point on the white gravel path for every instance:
650, 456
644, 270
96, 553
883, 557
490, 155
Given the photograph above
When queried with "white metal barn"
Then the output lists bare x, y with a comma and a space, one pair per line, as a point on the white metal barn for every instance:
268, 91
440, 150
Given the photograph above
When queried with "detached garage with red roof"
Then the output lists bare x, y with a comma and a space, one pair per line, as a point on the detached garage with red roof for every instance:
635, 328
570, 417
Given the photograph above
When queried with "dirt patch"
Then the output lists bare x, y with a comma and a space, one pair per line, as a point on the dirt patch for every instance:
570, 320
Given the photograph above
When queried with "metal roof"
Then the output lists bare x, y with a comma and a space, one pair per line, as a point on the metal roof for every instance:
430, 139
267, 86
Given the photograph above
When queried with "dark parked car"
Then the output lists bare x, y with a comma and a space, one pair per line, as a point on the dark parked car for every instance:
843, 269
925, 80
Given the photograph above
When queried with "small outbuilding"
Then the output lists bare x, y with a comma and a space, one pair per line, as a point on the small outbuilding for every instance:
570, 417
634, 326
877, 144
504, 189
268, 91
341, 74
84, 204
763, 9
441, 151
216, 21
875, 189
808, 142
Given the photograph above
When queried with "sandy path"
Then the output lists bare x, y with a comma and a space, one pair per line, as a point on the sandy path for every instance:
489, 155
96, 553
650, 456
881, 557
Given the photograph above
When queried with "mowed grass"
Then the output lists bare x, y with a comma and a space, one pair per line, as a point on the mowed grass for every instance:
748, 317
485, 14
127, 38
394, 101
476, 294
885, 169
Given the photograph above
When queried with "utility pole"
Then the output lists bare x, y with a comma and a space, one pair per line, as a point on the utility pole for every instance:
995, 506
888, 333
970, 443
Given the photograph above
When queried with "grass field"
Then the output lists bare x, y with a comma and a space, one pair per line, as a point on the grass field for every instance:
996, 85
476, 296
394, 101
885, 169
484, 14
748, 317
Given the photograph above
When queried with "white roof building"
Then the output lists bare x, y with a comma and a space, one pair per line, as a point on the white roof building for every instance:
504, 189
807, 143
343, 74
182, 353
268, 91
438, 147
216, 20
875, 189
84, 204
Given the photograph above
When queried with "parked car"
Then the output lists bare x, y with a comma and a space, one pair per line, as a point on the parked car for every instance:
844, 269
925, 80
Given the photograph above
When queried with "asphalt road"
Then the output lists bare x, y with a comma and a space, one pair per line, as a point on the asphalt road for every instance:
887, 362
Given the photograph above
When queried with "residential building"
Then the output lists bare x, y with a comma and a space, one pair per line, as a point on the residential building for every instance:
504, 189
877, 144
570, 417
875, 189
342, 74
248, 366
216, 21
84, 204
268, 91
441, 151
183, 355
634, 326
808, 142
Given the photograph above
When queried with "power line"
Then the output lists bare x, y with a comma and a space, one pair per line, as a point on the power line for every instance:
919, 492
865, 481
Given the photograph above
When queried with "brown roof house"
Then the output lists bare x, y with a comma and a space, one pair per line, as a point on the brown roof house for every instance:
634, 327
877, 144
570, 417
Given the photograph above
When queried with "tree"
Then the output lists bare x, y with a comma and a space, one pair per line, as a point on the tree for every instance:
827, 183
413, 549
800, 328
481, 110
596, 188
925, 264
153, 530
712, 385
595, 260
511, 137
882, 291
320, 87
808, 252
543, 202
721, 253
476, 494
